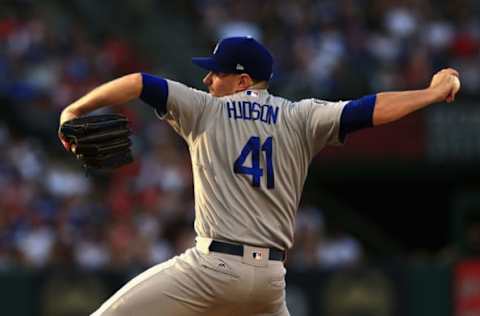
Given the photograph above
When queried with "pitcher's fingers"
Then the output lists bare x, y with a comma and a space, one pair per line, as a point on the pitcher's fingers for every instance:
452, 71
65, 144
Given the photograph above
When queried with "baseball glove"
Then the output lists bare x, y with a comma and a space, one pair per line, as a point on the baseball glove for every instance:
100, 142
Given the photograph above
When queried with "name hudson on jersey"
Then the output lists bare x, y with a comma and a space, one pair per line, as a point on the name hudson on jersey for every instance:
246, 110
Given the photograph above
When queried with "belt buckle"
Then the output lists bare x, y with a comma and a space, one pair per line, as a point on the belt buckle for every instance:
255, 256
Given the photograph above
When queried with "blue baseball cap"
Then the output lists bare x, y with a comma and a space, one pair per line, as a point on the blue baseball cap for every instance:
239, 55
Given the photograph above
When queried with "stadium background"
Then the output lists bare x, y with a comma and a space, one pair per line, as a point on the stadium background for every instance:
389, 224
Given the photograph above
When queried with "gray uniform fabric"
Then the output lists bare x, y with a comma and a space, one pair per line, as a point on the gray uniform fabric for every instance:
274, 141
202, 283
227, 206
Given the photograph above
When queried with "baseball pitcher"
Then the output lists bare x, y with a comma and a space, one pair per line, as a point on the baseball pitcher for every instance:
250, 154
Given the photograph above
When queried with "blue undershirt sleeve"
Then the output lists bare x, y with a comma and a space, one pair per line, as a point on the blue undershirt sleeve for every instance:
155, 92
357, 114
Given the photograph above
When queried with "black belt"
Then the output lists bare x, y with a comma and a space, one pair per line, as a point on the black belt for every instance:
237, 250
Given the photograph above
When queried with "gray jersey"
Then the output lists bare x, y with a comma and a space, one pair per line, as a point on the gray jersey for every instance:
250, 154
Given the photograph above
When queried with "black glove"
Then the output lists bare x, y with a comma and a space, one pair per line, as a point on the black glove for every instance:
100, 142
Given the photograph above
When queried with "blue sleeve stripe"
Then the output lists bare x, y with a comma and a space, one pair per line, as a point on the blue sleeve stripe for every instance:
155, 92
357, 114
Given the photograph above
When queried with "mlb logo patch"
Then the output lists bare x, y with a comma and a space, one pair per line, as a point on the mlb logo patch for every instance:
251, 93
257, 255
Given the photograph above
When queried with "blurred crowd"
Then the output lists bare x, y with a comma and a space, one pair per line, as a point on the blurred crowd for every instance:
51, 213
346, 48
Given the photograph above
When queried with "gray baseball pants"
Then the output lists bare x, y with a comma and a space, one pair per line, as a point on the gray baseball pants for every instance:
200, 282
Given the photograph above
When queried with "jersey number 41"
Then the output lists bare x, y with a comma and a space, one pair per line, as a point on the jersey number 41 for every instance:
254, 148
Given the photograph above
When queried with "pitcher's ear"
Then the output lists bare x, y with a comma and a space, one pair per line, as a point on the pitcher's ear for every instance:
245, 81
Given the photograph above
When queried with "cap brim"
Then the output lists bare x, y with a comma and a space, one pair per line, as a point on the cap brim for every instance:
207, 63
